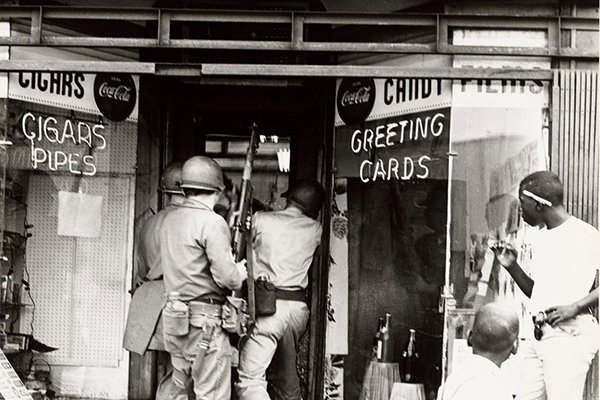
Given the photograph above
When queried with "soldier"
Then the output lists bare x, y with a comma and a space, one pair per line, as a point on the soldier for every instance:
144, 323
284, 244
199, 271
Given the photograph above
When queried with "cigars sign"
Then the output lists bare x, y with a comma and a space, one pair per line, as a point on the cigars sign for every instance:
74, 143
113, 96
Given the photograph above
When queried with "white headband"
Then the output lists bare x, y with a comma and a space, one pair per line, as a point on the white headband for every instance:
537, 198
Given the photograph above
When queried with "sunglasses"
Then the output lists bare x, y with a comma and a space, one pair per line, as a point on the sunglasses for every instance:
538, 321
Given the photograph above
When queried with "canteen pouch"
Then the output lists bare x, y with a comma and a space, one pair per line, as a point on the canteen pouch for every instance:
176, 322
234, 315
266, 298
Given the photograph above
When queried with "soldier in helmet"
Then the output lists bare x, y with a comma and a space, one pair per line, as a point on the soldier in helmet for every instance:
144, 324
149, 267
284, 244
195, 251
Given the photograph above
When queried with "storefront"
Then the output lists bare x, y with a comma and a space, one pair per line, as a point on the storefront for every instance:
420, 127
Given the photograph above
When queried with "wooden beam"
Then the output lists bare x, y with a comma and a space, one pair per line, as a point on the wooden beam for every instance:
217, 69
132, 67
367, 71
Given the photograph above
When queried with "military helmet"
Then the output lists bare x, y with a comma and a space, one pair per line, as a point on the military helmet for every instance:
201, 172
308, 195
171, 178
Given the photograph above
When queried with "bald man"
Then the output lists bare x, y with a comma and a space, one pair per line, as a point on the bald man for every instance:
494, 338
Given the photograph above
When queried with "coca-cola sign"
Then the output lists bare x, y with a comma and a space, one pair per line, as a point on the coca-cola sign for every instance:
355, 99
115, 95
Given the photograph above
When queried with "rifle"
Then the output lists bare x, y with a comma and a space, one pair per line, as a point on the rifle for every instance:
241, 228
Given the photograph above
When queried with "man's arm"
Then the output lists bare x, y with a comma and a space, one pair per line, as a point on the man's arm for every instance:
558, 314
523, 280
507, 257
226, 273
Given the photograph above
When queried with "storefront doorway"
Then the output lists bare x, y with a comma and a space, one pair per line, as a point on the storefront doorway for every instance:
207, 116
394, 258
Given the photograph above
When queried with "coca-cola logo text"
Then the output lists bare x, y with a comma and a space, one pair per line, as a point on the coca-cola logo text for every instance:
115, 95
355, 100
362, 95
120, 93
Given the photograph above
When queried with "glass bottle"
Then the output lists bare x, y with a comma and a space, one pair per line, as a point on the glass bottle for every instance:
409, 360
377, 343
387, 341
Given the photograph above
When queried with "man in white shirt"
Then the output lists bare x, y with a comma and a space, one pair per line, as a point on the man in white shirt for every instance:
494, 338
565, 258
284, 244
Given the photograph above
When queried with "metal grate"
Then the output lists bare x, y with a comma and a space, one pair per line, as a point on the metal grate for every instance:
291, 30
575, 142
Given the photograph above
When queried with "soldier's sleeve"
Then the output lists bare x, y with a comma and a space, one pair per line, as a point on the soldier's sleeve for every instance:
255, 219
218, 250
141, 261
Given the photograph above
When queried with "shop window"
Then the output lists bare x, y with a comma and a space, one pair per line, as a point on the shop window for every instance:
426, 173
70, 170
499, 136
388, 232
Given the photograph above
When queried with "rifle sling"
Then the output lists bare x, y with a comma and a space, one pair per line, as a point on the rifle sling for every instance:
250, 267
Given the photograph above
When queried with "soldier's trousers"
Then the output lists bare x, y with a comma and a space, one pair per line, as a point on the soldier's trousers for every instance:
210, 369
291, 318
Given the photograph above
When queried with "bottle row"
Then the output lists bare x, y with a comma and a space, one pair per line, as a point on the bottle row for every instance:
383, 349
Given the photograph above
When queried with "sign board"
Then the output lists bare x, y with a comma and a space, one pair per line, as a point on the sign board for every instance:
56, 141
113, 96
507, 92
393, 128
366, 99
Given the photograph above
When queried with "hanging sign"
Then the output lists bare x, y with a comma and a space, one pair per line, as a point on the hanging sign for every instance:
79, 214
113, 96
356, 99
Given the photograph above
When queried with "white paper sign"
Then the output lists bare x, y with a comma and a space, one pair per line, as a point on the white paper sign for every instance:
337, 322
79, 214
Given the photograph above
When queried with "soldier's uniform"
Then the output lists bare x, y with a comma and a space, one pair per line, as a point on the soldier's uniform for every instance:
284, 243
144, 323
195, 251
